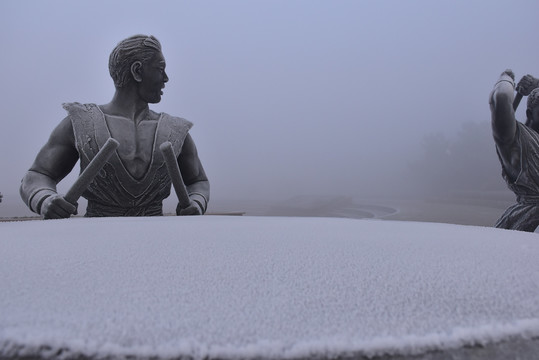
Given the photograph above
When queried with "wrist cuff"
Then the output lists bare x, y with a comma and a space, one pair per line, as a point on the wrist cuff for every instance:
200, 200
508, 80
37, 199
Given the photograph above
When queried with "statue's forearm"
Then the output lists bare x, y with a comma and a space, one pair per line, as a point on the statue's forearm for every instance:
503, 114
200, 192
36, 187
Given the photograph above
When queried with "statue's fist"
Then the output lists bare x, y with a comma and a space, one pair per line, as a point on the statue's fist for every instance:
56, 207
509, 73
194, 208
527, 84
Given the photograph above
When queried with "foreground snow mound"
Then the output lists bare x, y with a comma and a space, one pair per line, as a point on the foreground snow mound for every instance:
255, 287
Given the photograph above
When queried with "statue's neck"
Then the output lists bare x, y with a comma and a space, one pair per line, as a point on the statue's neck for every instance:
126, 103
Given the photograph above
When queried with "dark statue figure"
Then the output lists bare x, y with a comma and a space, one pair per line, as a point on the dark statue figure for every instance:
134, 180
517, 146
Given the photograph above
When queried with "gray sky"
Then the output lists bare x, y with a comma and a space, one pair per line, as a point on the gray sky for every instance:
287, 97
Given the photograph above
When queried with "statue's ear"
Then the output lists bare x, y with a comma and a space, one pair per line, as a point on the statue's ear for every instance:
136, 71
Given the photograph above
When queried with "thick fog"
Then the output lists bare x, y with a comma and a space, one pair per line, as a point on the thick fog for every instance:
287, 97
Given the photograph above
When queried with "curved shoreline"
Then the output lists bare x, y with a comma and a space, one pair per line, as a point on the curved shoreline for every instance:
480, 209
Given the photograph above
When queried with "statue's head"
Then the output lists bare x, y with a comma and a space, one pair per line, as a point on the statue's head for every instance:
137, 48
532, 111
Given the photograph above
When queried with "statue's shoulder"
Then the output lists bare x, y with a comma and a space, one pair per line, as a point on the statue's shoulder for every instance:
86, 120
76, 107
174, 129
176, 121
82, 115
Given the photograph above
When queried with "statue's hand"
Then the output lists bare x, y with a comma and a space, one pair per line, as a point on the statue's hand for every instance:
56, 207
193, 209
509, 73
527, 84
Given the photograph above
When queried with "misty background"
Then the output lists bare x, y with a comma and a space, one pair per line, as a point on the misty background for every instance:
289, 98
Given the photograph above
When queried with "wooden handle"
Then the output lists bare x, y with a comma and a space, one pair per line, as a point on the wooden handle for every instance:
175, 175
89, 173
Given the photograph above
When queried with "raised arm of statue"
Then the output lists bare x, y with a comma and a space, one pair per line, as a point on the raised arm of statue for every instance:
53, 162
194, 176
501, 107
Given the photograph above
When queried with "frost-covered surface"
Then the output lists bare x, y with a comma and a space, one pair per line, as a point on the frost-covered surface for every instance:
249, 287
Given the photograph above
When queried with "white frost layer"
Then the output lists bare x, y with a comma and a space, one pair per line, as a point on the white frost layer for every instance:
262, 287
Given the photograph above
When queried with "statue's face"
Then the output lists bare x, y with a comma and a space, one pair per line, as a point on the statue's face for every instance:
154, 78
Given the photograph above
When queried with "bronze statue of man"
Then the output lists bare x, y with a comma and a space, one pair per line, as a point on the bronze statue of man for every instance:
134, 181
517, 146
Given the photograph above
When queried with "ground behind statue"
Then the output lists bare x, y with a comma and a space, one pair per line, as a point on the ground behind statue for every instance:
464, 208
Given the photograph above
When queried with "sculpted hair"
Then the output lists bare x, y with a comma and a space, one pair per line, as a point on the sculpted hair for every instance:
135, 48
533, 99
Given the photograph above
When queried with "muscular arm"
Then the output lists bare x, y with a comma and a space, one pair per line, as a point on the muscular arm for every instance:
194, 177
501, 107
53, 162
